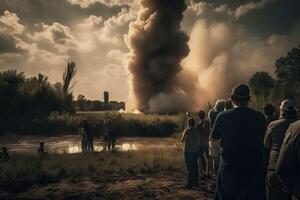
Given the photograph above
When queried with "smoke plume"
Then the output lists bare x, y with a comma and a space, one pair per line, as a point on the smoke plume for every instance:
157, 46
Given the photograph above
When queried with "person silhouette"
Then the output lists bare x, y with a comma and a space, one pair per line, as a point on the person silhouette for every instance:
89, 135
41, 149
241, 131
4, 156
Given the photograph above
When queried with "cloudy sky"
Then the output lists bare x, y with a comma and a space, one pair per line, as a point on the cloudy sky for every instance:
227, 39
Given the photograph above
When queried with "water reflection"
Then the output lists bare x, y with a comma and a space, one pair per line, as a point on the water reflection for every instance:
97, 148
72, 144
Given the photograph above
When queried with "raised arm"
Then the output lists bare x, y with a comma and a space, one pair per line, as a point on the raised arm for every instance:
183, 137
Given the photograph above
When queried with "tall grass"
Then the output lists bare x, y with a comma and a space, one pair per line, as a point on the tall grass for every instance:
126, 124
24, 171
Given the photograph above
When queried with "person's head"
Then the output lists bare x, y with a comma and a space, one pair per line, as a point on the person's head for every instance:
4, 149
228, 104
219, 105
240, 95
268, 109
201, 115
288, 108
191, 122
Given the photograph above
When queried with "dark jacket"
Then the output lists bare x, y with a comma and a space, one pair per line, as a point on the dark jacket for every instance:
288, 166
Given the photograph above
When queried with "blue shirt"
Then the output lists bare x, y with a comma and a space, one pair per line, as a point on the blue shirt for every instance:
241, 132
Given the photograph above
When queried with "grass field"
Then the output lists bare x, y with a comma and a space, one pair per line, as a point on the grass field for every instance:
106, 175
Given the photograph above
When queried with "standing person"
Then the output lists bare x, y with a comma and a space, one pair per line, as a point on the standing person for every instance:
89, 136
273, 140
203, 127
241, 133
83, 139
41, 149
288, 165
191, 140
214, 146
269, 113
111, 135
4, 156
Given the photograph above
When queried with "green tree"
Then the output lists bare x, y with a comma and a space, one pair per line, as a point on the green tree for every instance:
288, 67
288, 74
68, 75
261, 84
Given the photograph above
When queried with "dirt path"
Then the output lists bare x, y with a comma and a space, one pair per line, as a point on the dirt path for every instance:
113, 186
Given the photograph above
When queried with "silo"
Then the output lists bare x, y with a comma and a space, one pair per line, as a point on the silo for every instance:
106, 100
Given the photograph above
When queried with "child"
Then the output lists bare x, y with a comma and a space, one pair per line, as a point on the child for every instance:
191, 140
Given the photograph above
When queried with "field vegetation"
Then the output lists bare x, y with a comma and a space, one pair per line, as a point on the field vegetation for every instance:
24, 171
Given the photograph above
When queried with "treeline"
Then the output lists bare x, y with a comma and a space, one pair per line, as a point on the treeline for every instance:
286, 83
84, 104
27, 102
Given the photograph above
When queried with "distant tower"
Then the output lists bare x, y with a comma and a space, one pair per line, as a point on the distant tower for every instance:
106, 100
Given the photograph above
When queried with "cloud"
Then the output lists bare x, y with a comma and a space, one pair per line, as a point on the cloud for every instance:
9, 24
9, 44
56, 36
92, 21
10, 31
42, 37
110, 3
116, 27
246, 8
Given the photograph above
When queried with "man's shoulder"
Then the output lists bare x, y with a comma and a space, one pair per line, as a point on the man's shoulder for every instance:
277, 122
293, 133
232, 112
295, 127
257, 114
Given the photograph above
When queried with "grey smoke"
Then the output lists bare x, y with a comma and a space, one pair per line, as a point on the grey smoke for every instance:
157, 46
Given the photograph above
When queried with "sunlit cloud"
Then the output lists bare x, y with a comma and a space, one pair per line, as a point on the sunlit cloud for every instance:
9, 24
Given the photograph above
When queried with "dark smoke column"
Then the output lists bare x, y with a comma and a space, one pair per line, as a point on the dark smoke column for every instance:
157, 46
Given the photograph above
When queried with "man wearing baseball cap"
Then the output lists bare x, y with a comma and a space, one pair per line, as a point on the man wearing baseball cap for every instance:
241, 133
273, 141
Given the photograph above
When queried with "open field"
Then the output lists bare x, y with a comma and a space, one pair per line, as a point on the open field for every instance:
148, 174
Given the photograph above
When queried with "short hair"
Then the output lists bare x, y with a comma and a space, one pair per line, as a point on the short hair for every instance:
191, 122
201, 114
219, 105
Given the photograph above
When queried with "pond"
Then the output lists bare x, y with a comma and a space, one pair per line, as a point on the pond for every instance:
72, 144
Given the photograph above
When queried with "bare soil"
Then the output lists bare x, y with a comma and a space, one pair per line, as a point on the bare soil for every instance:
159, 185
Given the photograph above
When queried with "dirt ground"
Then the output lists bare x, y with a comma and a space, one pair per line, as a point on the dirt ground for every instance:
163, 185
